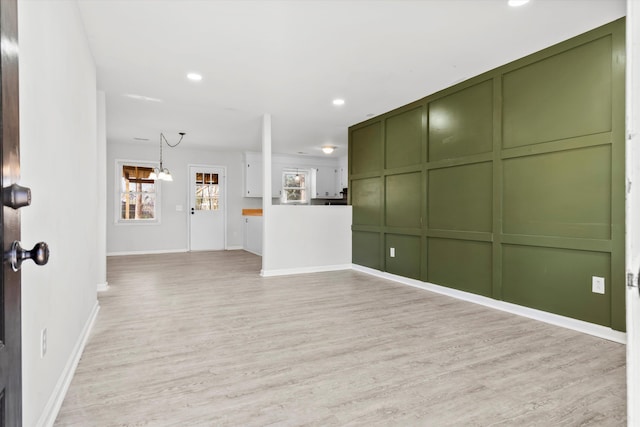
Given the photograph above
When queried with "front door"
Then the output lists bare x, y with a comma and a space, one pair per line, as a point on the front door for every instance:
10, 350
207, 206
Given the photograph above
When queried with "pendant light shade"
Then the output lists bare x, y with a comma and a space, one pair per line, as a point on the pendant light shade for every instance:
161, 173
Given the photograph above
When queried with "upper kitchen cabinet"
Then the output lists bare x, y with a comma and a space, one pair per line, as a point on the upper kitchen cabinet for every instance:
252, 174
325, 181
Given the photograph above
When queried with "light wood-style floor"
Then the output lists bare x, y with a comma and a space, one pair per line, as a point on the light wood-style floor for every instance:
199, 339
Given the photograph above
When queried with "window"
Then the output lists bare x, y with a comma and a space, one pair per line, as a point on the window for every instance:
294, 186
137, 194
207, 192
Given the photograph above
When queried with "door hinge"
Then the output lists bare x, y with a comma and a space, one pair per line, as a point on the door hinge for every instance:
630, 281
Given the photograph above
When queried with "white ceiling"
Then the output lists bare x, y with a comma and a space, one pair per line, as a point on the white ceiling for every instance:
292, 58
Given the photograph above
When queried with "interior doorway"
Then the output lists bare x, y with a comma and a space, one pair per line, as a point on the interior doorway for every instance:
207, 208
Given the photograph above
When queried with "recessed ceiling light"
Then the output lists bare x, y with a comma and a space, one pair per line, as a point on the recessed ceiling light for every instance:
516, 3
194, 77
370, 115
338, 101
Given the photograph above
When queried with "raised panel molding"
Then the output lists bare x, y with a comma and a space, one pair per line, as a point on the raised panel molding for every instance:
509, 185
574, 86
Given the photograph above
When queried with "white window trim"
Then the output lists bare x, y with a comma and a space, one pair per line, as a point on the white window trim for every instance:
307, 186
116, 212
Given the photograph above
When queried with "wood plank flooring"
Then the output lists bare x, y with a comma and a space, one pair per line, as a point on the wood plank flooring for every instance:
199, 339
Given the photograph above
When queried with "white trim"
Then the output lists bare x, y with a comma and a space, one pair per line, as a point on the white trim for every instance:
253, 252
531, 313
632, 209
160, 251
50, 412
234, 248
102, 287
304, 270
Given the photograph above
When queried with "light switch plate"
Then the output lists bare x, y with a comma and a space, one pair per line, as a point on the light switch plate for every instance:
392, 252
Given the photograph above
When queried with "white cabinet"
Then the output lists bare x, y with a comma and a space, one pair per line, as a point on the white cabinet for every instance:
344, 178
253, 234
252, 174
326, 183
276, 180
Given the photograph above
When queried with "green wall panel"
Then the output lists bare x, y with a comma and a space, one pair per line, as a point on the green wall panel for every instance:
566, 194
460, 264
508, 185
461, 124
558, 281
407, 257
403, 142
403, 202
366, 198
366, 146
366, 249
563, 96
461, 197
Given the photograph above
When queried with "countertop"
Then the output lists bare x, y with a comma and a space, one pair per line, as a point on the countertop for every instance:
252, 212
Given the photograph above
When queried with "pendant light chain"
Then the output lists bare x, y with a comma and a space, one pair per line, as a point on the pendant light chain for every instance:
163, 173
165, 140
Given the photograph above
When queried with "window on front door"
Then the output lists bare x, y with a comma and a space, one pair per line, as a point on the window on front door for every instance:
207, 192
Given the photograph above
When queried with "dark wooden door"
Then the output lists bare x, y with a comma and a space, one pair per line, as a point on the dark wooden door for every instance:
10, 351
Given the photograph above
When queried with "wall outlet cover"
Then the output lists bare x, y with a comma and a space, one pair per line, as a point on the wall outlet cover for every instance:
597, 285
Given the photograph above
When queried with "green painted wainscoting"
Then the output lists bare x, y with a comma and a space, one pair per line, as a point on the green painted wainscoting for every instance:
508, 185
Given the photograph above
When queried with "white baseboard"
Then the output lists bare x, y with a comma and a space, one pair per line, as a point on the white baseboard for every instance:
543, 316
102, 287
234, 248
304, 270
161, 251
54, 403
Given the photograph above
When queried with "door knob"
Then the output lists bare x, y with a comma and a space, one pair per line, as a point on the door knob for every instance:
16, 197
39, 254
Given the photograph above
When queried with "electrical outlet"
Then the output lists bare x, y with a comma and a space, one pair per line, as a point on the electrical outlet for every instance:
43, 343
392, 252
597, 285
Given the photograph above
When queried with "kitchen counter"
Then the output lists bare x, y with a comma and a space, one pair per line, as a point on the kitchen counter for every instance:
251, 212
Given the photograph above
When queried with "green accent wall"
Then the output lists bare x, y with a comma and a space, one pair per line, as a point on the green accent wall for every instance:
508, 185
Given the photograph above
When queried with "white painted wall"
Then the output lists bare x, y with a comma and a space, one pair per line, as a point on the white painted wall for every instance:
633, 210
300, 238
59, 162
171, 233
306, 238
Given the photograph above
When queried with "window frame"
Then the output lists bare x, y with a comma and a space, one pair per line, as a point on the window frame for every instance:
119, 164
306, 188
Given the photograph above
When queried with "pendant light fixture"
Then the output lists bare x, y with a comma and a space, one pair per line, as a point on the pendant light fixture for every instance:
163, 173
328, 149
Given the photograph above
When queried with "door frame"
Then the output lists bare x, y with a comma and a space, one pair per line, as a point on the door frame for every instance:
224, 199
11, 348
632, 219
